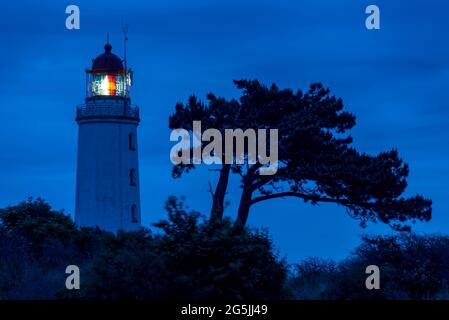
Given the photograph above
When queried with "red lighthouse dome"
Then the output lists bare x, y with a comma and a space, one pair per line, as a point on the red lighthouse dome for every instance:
107, 61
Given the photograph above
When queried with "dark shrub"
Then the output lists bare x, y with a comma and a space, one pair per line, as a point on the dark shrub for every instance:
188, 259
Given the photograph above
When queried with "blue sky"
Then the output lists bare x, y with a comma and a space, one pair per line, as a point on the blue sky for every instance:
395, 80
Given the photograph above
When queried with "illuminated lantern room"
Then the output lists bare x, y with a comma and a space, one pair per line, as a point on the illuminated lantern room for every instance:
108, 77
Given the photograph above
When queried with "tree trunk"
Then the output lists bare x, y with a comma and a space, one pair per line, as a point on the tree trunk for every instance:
244, 206
217, 210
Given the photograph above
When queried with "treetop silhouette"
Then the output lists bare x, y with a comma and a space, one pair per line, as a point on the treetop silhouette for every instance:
316, 160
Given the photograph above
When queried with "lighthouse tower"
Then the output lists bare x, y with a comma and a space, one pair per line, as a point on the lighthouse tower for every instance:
107, 178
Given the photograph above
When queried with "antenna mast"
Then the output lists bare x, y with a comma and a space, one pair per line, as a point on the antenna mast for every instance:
125, 31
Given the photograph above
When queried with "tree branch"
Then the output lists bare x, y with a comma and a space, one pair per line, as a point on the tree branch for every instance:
210, 190
304, 196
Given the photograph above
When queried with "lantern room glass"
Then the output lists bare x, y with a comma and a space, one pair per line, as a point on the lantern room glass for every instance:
109, 84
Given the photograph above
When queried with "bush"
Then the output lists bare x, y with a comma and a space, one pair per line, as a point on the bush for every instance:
411, 267
189, 259
312, 278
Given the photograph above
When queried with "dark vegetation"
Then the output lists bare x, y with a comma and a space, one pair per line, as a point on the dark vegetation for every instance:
317, 162
192, 258
189, 259
412, 267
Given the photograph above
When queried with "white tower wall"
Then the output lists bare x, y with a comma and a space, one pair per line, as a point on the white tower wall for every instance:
107, 187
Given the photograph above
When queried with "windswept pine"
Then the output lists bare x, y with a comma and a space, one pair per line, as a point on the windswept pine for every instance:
317, 162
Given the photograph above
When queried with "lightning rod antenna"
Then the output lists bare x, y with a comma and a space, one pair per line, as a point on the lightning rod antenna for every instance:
125, 31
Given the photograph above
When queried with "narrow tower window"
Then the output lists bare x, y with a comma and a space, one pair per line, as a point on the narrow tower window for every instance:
134, 213
132, 177
131, 143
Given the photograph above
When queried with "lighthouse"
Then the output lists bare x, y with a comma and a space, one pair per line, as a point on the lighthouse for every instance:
107, 177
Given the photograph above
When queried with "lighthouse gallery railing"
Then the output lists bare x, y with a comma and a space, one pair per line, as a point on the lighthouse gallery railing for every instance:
105, 111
